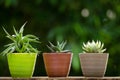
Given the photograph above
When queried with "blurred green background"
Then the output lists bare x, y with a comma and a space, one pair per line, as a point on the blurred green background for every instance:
76, 21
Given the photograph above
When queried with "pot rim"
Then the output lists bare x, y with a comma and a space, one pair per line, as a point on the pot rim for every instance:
57, 53
93, 53
21, 53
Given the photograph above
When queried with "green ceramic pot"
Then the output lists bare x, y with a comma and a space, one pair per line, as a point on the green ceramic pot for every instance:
21, 65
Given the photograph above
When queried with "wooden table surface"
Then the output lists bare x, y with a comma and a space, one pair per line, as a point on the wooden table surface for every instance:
62, 78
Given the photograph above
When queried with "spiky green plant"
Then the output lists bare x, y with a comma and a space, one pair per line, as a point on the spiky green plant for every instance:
93, 47
20, 43
58, 48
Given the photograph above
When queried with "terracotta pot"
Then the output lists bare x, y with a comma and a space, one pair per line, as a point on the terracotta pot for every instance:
93, 64
57, 64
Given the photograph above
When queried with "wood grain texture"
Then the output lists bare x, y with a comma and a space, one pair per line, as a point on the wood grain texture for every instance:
62, 78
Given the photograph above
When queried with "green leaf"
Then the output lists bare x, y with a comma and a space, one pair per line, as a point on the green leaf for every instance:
22, 28
16, 33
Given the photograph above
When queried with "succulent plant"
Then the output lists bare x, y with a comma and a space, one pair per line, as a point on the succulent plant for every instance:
93, 47
20, 43
58, 48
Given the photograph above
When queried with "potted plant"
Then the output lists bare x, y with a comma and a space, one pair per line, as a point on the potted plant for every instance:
93, 60
21, 55
58, 62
